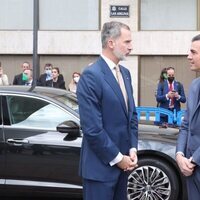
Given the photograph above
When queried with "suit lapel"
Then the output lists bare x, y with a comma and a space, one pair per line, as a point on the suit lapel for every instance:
111, 80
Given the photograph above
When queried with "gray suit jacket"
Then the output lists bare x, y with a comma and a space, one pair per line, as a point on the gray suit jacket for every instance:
189, 137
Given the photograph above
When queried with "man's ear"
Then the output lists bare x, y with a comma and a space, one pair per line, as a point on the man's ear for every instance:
111, 43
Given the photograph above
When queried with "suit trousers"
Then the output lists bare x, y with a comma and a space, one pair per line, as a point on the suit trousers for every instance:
193, 185
111, 190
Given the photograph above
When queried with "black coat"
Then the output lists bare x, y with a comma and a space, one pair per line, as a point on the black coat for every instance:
59, 84
42, 79
18, 80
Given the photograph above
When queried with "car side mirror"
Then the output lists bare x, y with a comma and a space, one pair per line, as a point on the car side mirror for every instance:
70, 127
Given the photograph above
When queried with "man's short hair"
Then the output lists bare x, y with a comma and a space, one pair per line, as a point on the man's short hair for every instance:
111, 30
170, 68
196, 38
48, 65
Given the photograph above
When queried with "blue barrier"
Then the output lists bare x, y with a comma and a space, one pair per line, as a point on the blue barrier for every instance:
179, 116
147, 112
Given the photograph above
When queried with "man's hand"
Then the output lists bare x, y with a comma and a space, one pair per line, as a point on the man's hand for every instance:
125, 163
185, 165
128, 163
134, 158
170, 94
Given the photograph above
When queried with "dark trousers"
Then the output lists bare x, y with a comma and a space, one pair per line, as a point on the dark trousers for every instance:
193, 185
112, 190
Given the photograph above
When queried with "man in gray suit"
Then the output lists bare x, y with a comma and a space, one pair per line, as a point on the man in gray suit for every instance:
188, 143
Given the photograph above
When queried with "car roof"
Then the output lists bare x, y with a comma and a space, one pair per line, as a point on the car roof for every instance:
47, 91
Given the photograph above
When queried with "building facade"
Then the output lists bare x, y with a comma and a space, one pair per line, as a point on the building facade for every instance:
69, 37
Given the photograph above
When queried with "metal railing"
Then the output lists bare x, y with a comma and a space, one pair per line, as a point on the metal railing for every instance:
153, 114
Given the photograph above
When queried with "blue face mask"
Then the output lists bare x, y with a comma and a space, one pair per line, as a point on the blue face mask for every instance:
48, 72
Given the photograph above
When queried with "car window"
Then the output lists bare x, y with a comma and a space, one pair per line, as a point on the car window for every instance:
36, 113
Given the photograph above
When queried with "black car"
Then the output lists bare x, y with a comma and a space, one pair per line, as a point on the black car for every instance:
40, 141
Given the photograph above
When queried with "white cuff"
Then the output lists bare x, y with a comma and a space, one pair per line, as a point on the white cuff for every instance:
117, 159
133, 150
179, 152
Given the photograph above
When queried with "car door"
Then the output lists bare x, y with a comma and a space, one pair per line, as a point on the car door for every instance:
38, 156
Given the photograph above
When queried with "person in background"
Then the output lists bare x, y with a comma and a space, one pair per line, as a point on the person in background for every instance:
28, 76
55, 81
19, 79
170, 95
108, 118
47, 75
73, 84
188, 143
3, 77
163, 76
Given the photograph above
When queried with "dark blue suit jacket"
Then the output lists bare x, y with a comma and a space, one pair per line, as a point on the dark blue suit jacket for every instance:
189, 137
107, 126
162, 90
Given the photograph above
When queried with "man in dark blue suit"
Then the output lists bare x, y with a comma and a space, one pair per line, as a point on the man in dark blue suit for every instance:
108, 119
170, 94
188, 143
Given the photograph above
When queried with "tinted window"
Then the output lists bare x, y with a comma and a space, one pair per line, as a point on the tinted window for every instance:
36, 113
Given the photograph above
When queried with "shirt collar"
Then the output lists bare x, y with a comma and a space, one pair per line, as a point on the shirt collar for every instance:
109, 62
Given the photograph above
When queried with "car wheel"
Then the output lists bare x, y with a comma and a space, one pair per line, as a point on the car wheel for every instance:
153, 180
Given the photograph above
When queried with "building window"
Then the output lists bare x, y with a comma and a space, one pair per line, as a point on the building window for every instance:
69, 15
16, 14
168, 15
54, 14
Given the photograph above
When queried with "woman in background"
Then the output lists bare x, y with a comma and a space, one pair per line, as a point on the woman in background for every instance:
73, 84
55, 81
3, 77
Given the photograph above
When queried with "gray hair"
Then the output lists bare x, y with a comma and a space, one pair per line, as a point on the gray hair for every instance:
196, 38
111, 30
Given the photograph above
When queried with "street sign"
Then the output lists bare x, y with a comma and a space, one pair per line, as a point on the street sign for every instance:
119, 11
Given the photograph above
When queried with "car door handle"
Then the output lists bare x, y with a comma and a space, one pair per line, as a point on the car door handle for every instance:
17, 142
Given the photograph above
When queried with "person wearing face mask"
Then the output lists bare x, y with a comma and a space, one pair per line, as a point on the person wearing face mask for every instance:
73, 84
55, 81
28, 77
163, 76
170, 95
47, 75
20, 79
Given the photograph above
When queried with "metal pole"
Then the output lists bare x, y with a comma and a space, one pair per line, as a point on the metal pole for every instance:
35, 41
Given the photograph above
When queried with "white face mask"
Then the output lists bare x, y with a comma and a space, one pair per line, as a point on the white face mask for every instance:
76, 79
